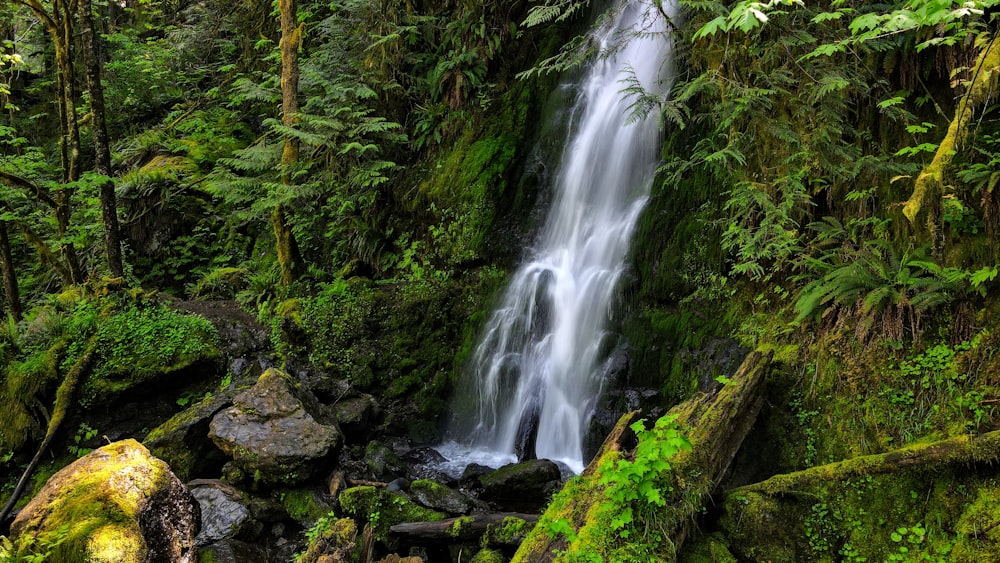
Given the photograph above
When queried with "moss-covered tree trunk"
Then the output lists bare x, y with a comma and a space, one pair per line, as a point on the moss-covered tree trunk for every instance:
715, 423
102, 149
59, 24
9, 274
929, 187
64, 398
291, 40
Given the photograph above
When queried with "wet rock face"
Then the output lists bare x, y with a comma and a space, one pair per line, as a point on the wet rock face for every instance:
524, 486
271, 433
118, 504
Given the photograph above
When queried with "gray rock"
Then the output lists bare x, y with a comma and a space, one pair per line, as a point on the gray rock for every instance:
270, 433
355, 416
225, 513
182, 441
437, 496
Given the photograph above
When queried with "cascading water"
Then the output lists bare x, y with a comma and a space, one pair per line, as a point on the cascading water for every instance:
536, 369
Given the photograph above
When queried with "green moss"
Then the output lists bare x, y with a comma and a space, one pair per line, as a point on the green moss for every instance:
382, 509
488, 556
329, 537
510, 531
707, 549
459, 525
140, 344
303, 506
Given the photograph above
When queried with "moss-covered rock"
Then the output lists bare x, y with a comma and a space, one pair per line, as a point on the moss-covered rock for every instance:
305, 506
117, 504
383, 509
182, 441
510, 532
140, 346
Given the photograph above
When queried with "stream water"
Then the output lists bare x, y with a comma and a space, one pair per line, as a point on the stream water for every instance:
536, 374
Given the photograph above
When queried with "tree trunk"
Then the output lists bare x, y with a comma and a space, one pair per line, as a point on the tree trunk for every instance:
715, 424
59, 24
102, 150
291, 39
9, 274
454, 530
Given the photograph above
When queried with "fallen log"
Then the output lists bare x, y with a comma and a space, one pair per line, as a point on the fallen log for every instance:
576, 523
466, 528
964, 449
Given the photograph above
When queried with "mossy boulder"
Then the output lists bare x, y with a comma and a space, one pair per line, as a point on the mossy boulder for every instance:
510, 532
525, 486
182, 441
118, 504
383, 509
270, 433
141, 348
438, 497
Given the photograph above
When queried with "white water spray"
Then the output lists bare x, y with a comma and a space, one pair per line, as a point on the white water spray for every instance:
539, 358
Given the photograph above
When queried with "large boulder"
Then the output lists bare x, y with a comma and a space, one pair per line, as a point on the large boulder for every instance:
524, 486
270, 432
117, 504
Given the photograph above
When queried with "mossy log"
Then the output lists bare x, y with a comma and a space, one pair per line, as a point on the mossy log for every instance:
960, 450
715, 423
456, 530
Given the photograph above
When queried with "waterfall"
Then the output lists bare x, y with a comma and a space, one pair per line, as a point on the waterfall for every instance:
536, 371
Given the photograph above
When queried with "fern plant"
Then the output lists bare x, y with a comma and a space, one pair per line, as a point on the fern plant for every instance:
879, 289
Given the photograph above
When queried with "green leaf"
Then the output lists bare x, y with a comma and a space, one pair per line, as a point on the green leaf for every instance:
711, 28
